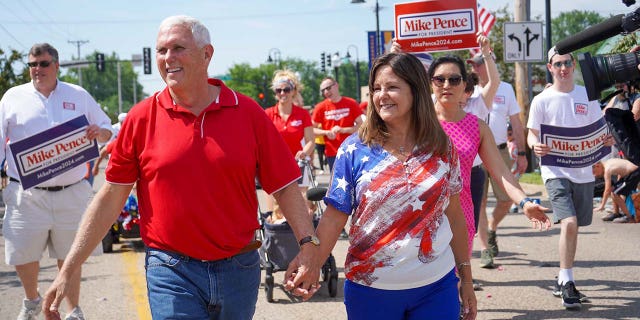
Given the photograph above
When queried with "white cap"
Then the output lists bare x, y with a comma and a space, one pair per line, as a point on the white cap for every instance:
122, 116
553, 52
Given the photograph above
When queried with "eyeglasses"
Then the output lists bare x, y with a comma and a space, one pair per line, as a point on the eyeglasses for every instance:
453, 81
283, 90
566, 63
327, 88
42, 64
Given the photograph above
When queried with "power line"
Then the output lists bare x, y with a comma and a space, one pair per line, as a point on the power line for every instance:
45, 14
12, 37
155, 21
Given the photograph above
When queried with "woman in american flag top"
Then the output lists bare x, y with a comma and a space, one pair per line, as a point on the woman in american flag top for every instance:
399, 179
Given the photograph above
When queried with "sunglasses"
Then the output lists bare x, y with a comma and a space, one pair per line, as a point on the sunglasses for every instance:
453, 81
327, 88
42, 64
283, 90
566, 63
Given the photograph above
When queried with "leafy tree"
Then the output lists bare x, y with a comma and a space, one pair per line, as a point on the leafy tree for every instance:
103, 86
9, 76
569, 23
255, 81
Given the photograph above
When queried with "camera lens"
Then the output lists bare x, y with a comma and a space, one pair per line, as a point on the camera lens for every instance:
602, 71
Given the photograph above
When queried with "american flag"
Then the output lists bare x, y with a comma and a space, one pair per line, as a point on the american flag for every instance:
485, 22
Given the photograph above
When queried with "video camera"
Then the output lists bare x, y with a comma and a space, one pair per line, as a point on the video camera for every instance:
602, 71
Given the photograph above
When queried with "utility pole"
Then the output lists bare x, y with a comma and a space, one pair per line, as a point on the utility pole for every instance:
523, 74
79, 43
119, 87
522, 94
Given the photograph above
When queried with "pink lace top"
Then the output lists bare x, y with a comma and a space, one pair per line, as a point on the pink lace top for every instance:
465, 136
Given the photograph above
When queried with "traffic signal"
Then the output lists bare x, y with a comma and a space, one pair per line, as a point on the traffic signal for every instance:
322, 67
146, 60
329, 61
100, 62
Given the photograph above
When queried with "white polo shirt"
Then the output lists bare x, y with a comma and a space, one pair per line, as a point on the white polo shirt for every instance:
24, 112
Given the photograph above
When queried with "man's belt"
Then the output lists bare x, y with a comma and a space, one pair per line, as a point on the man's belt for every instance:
502, 146
54, 188
253, 245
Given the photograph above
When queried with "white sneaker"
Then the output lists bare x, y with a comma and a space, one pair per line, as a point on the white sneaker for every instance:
76, 314
30, 309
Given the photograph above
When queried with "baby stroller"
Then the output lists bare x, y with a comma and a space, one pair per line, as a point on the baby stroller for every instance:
279, 244
126, 226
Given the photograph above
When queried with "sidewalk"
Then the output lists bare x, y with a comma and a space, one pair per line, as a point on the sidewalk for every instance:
607, 270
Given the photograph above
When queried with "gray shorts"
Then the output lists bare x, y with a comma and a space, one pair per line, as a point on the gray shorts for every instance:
569, 199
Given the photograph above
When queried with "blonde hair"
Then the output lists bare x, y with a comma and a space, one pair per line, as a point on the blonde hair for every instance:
286, 76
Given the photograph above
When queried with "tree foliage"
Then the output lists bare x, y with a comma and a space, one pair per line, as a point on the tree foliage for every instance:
569, 23
10, 76
255, 81
103, 86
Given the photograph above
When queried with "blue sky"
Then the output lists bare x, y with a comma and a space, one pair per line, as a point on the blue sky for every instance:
242, 31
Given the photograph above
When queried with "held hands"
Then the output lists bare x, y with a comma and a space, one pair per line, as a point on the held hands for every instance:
303, 274
537, 216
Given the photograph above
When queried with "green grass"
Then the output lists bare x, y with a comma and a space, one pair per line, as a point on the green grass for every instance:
531, 178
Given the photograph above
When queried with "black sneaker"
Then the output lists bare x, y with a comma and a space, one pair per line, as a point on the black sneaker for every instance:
612, 215
570, 296
557, 291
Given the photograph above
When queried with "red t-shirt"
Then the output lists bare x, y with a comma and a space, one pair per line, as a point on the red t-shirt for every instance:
343, 113
196, 174
363, 106
292, 130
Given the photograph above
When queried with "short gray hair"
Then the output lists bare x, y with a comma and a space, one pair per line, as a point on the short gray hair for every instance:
199, 31
40, 48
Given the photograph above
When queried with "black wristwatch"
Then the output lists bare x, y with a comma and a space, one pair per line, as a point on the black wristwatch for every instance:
313, 239
522, 153
525, 200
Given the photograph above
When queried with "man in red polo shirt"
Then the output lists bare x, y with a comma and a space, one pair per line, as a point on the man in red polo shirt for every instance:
335, 118
194, 149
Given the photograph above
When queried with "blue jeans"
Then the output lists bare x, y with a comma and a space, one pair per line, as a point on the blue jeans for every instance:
181, 287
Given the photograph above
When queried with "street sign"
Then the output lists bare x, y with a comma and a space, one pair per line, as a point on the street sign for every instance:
146, 60
136, 60
523, 41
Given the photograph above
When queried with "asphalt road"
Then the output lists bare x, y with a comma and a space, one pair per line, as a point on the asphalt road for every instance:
607, 270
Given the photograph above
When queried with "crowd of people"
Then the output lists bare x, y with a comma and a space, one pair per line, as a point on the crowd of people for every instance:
410, 172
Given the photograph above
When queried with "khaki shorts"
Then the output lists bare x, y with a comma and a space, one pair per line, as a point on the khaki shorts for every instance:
38, 219
499, 193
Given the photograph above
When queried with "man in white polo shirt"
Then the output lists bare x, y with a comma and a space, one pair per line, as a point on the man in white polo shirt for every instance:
47, 215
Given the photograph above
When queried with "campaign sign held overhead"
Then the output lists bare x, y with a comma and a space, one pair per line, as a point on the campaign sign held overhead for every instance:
428, 26
52, 152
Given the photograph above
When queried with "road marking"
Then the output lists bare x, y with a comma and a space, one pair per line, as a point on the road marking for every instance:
137, 283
